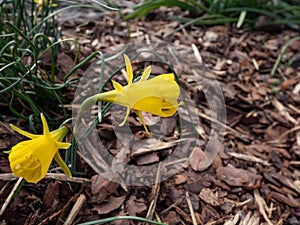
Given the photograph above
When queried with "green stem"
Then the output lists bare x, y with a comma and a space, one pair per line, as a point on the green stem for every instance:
282, 51
106, 220
109, 96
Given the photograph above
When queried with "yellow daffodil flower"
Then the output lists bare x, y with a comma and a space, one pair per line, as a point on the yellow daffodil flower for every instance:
31, 159
43, 3
157, 96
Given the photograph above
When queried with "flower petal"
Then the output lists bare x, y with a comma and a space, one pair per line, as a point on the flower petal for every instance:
128, 69
140, 115
146, 73
117, 86
45, 125
125, 118
25, 133
62, 164
63, 145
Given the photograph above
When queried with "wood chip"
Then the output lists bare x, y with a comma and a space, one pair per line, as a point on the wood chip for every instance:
209, 197
237, 177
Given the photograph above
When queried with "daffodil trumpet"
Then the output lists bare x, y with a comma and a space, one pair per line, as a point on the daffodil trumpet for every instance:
158, 95
31, 159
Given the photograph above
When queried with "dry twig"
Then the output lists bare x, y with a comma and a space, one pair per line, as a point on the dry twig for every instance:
261, 206
10, 196
249, 158
189, 202
55, 176
154, 193
75, 210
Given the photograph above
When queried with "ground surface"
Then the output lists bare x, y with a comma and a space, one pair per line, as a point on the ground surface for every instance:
255, 178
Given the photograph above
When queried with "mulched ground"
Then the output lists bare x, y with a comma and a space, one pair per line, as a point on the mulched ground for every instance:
255, 178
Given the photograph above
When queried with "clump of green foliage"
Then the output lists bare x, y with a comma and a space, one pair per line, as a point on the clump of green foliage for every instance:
211, 12
29, 33
25, 37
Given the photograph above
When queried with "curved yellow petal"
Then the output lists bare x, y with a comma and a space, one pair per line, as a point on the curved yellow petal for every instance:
25, 133
128, 69
118, 87
146, 73
62, 164
45, 125
125, 118
63, 145
139, 114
